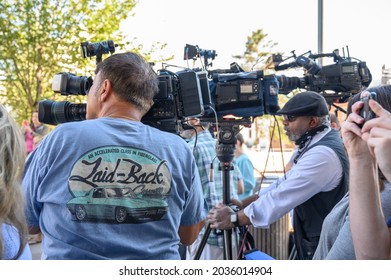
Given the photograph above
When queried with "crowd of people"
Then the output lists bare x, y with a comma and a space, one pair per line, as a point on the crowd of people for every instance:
111, 187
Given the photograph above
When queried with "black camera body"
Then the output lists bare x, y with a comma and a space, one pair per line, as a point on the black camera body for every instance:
215, 94
180, 96
97, 49
336, 82
245, 94
189, 93
52, 112
366, 113
341, 77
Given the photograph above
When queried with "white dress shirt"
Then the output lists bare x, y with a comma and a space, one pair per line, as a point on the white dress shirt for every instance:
318, 170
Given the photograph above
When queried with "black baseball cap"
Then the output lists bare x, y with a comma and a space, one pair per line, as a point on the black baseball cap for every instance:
308, 103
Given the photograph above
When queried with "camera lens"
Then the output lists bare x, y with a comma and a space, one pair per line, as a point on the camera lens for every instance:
78, 85
53, 113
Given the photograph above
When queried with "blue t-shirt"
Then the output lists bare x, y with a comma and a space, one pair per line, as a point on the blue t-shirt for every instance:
112, 189
247, 169
11, 244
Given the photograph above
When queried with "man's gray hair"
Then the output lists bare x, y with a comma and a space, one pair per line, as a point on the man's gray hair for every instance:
324, 120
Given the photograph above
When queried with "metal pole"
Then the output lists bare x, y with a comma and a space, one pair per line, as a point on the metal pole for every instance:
320, 30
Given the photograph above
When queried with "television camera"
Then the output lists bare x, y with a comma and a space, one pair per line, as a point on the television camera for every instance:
183, 94
52, 112
214, 94
97, 49
336, 82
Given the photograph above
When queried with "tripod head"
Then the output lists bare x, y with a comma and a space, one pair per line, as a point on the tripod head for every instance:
225, 148
227, 131
225, 152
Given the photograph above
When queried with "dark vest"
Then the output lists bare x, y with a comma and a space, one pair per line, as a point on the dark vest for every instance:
309, 216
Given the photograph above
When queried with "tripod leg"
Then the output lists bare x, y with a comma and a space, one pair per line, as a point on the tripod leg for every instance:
228, 244
203, 242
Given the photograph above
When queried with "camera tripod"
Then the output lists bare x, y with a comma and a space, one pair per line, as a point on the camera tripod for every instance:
225, 150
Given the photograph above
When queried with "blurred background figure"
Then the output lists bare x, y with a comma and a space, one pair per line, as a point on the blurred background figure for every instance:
334, 122
34, 132
33, 129
14, 232
245, 166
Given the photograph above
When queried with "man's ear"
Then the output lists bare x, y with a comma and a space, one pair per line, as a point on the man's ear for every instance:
105, 91
314, 122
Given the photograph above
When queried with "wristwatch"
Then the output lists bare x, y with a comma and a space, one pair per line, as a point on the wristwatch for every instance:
235, 219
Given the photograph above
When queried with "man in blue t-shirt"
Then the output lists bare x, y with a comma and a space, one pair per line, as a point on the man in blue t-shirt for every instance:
111, 187
245, 166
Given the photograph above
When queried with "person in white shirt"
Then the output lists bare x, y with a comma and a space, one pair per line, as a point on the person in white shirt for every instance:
316, 181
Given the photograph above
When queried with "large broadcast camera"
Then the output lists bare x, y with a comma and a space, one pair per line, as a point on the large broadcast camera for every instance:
52, 112
212, 95
336, 82
183, 94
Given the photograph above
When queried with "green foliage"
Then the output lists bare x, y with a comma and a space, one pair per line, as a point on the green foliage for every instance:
257, 49
40, 38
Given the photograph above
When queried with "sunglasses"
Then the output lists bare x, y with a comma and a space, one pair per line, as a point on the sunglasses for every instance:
289, 118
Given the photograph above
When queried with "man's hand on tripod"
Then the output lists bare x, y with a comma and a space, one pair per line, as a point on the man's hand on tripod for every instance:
220, 217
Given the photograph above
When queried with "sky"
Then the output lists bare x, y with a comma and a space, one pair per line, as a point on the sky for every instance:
223, 25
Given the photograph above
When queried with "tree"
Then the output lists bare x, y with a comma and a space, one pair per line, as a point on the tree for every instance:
257, 49
265, 128
40, 38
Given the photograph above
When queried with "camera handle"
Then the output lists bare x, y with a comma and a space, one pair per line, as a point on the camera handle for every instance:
338, 108
225, 151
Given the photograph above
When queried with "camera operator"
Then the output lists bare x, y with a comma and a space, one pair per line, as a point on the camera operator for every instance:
314, 184
369, 150
111, 187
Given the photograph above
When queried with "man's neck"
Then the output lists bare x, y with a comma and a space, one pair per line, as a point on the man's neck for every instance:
120, 111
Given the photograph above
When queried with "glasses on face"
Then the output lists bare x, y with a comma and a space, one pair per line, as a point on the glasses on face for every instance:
289, 118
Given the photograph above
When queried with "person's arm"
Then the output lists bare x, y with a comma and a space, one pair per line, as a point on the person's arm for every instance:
188, 234
305, 180
25, 127
240, 186
369, 231
34, 230
371, 237
195, 210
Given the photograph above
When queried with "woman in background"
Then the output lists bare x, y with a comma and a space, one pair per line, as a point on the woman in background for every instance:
14, 232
